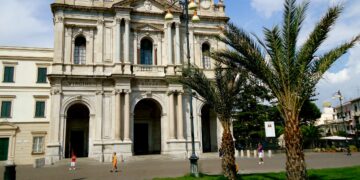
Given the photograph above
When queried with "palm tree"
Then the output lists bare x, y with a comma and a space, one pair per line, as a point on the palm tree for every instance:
291, 71
219, 94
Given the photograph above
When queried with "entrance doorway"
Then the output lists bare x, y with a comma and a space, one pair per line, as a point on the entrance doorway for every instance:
77, 131
209, 129
4, 149
147, 127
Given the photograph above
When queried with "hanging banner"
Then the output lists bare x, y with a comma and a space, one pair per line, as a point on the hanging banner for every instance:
270, 129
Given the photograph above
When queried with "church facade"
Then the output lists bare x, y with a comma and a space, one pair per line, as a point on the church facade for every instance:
110, 85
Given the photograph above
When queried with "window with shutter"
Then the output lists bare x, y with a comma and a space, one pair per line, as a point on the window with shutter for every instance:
5, 109
41, 78
40, 109
9, 74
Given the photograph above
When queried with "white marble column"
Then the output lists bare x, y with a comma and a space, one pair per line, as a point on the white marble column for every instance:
127, 67
90, 48
100, 41
135, 48
58, 39
192, 46
177, 44
99, 114
171, 116
127, 41
68, 40
117, 51
169, 44
55, 116
127, 116
117, 114
180, 120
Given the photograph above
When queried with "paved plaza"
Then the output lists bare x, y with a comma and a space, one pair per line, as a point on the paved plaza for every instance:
148, 167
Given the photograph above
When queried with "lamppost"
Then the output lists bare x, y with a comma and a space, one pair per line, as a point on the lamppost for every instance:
186, 6
338, 95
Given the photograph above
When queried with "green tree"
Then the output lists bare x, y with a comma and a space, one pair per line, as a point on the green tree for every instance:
311, 134
309, 112
219, 93
291, 71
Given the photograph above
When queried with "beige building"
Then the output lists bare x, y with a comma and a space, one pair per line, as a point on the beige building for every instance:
108, 87
24, 103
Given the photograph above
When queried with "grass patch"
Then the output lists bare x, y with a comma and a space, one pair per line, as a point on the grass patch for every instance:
349, 173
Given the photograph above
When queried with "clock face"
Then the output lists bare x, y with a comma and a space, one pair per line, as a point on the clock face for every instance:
205, 4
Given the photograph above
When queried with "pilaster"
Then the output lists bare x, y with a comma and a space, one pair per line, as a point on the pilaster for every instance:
127, 64
177, 44
127, 116
171, 116
180, 120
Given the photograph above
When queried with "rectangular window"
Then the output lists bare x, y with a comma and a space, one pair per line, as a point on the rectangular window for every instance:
9, 74
5, 109
41, 78
38, 145
40, 109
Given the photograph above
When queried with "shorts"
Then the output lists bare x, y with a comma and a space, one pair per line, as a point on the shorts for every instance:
72, 164
261, 154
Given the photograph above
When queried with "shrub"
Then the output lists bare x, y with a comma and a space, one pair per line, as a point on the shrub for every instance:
353, 148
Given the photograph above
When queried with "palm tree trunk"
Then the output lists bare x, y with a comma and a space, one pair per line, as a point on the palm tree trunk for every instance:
228, 149
295, 164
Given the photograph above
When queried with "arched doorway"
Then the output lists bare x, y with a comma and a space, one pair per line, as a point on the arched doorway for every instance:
147, 127
77, 131
209, 129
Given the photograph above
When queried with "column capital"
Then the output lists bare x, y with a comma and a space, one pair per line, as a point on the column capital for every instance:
58, 19
170, 92
100, 22
118, 20
99, 92
127, 20
127, 91
116, 91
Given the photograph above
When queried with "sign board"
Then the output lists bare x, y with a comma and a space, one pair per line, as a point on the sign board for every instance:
270, 129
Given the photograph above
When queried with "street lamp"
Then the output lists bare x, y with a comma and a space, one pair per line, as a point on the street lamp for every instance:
186, 6
338, 95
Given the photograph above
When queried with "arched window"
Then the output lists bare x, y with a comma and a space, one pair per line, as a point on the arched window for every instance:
205, 55
146, 52
80, 50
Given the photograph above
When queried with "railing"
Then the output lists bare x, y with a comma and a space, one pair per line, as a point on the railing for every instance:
148, 70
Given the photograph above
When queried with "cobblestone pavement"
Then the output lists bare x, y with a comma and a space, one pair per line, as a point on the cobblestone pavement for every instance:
148, 168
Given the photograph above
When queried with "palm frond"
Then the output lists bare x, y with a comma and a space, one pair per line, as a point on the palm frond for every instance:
320, 66
317, 37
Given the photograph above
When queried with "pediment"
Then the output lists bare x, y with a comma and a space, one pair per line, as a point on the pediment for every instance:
154, 6
8, 126
147, 27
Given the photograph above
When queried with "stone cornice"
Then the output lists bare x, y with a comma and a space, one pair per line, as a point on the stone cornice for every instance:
212, 18
26, 58
26, 48
57, 6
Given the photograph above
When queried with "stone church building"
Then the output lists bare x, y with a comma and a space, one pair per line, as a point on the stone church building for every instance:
108, 86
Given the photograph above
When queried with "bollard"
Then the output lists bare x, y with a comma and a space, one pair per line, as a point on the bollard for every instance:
269, 153
255, 153
248, 153
10, 172
242, 153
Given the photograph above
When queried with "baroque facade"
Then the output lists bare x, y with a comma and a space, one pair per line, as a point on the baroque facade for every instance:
109, 83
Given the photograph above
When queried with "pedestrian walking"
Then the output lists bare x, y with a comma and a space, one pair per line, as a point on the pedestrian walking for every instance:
114, 163
73, 162
261, 153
